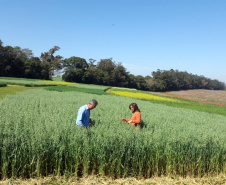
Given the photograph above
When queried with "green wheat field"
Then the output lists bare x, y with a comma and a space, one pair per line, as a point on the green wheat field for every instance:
38, 135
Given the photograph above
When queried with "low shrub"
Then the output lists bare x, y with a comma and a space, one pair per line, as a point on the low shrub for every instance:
2, 84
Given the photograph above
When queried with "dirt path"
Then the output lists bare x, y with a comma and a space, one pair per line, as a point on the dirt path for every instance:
94, 180
217, 97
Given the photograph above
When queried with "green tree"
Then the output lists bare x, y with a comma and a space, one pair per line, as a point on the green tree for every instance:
75, 68
27, 52
119, 76
51, 62
91, 62
132, 81
33, 68
176, 80
140, 82
106, 65
75, 63
11, 61
92, 76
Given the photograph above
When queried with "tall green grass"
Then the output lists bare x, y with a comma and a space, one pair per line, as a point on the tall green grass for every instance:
57, 78
12, 90
27, 83
93, 86
14, 78
38, 137
73, 88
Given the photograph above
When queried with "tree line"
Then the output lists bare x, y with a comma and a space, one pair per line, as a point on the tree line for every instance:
18, 62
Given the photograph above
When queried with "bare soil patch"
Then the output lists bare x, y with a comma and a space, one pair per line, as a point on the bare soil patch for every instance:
95, 180
217, 97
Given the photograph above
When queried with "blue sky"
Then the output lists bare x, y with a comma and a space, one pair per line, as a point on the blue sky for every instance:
144, 35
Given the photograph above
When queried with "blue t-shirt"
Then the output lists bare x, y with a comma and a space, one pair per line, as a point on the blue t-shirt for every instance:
83, 116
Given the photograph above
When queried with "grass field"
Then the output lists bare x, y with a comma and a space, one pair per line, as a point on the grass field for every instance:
173, 101
78, 88
35, 82
57, 79
41, 126
38, 136
25, 82
13, 89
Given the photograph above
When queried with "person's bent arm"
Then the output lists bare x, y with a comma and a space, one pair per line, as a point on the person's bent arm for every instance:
123, 119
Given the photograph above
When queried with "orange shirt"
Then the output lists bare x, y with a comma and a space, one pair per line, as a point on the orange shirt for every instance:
136, 118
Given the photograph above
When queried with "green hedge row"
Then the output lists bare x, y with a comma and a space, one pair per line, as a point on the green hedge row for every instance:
2, 84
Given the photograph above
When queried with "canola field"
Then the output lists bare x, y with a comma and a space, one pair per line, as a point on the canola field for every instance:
141, 95
38, 137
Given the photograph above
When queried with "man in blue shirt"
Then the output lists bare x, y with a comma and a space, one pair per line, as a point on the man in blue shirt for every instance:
83, 116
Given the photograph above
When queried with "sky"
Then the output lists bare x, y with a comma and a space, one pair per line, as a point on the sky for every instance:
143, 35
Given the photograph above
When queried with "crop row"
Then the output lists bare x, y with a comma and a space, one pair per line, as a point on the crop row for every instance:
57, 82
27, 83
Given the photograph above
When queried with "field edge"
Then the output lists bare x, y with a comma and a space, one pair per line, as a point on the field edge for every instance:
219, 179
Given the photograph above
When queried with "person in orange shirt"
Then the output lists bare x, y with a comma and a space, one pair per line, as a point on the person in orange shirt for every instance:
136, 117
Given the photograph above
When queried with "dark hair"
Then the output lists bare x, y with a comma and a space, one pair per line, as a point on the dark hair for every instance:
93, 102
134, 105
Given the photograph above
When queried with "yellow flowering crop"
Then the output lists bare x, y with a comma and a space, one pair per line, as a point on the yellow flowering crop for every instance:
58, 82
145, 96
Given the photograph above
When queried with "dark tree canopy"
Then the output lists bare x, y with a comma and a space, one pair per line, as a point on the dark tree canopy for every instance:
106, 65
11, 61
75, 63
170, 80
75, 68
51, 62
17, 62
